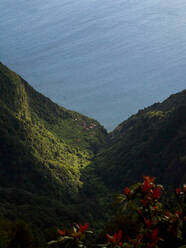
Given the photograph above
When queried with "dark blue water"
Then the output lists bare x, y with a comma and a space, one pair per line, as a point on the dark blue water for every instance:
103, 58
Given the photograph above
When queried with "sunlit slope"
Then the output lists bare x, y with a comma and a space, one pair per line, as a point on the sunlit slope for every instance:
43, 147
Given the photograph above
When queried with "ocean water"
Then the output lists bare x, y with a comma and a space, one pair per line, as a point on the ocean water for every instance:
103, 58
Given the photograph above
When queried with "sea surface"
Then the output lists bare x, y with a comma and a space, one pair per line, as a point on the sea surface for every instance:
103, 58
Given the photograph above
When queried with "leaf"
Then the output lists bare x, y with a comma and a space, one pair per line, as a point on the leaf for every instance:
52, 242
119, 199
64, 238
132, 205
179, 234
81, 245
124, 207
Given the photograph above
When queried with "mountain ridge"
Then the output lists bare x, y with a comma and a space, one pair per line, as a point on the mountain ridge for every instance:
42, 152
146, 140
58, 166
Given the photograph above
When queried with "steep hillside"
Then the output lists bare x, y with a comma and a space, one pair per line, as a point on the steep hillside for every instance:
28, 104
43, 148
58, 166
152, 142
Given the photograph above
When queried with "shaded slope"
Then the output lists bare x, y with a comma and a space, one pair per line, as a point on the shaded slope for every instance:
152, 142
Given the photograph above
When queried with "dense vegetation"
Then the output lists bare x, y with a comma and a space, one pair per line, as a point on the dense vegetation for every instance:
58, 166
43, 148
144, 219
151, 142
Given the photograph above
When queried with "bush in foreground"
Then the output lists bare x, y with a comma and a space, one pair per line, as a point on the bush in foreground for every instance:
159, 225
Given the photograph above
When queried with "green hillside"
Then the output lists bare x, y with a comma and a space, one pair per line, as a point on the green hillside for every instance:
58, 167
43, 148
151, 142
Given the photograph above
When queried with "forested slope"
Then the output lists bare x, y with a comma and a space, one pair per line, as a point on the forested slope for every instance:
58, 166
43, 148
151, 142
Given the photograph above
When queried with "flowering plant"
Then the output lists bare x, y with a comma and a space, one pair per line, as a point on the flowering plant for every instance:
158, 225
72, 239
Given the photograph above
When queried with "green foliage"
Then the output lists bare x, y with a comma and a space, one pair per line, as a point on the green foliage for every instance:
153, 141
71, 239
43, 150
57, 166
16, 235
158, 225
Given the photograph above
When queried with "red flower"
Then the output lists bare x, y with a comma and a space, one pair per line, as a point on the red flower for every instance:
154, 234
148, 179
139, 211
127, 191
156, 193
178, 213
155, 208
178, 191
139, 238
148, 183
62, 233
144, 202
116, 238
148, 223
82, 228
